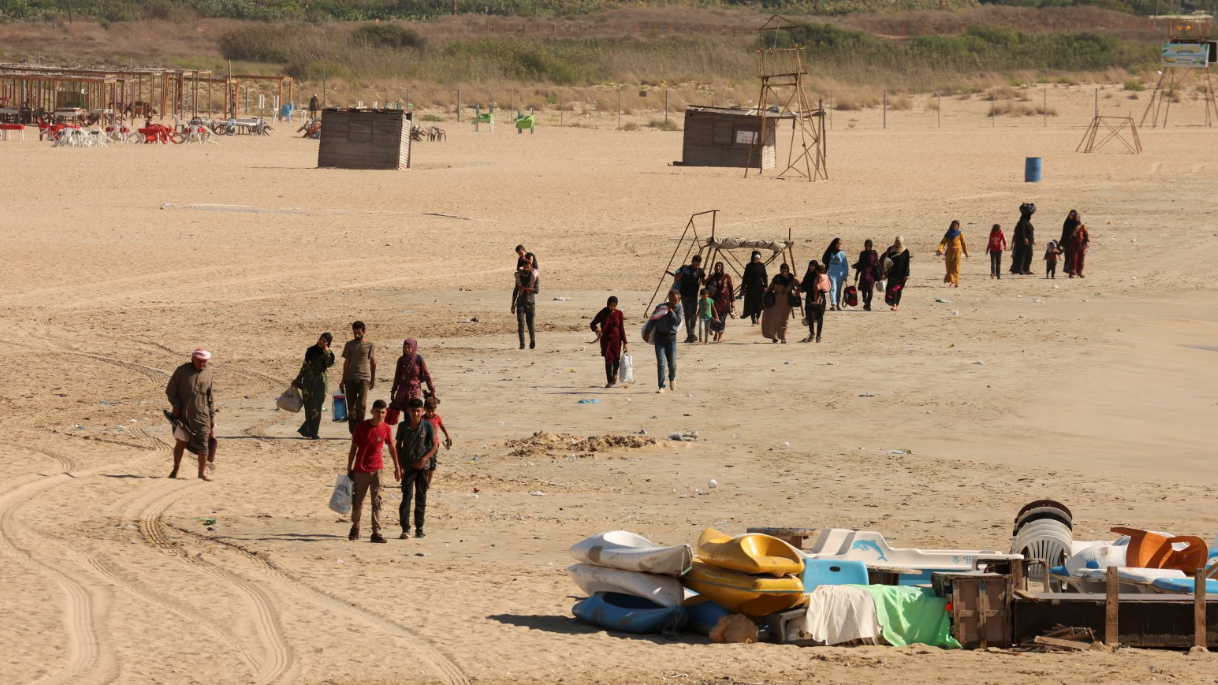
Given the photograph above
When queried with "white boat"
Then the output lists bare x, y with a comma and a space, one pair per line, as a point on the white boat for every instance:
629, 552
872, 549
663, 590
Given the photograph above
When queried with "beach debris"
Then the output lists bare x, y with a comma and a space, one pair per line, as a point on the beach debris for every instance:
734, 629
712, 483
942, 301
1061, 639
562, 299
684, 436
564, 443
979, 363
901, 451
786, 444
537, 493
867, 394
588, 401
641, 431
955, 312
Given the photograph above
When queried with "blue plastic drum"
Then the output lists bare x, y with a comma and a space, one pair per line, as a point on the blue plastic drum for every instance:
1031, 170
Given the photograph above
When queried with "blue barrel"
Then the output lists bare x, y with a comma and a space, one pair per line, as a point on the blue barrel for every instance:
1031, 170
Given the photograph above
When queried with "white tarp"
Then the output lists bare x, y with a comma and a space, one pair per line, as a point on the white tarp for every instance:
838, 614
738, 244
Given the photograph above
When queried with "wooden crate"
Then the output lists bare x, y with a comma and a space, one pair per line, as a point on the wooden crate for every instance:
979, 607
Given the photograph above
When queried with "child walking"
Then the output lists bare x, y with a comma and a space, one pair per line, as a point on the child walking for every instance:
998, 243
1051, 252
437, 424
416, 443
706, 314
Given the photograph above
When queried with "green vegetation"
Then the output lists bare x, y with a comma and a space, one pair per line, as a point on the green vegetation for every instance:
383, 51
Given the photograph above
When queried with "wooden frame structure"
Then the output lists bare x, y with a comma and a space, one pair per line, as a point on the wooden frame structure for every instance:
1114, 125
781, 71
1195, 29
170, 92
710, 248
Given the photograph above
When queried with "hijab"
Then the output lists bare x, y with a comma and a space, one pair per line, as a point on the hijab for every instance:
830, 251
952, 231
414, 352
315, 351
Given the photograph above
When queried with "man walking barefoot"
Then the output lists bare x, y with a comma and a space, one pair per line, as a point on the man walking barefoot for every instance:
359, 375
190, 396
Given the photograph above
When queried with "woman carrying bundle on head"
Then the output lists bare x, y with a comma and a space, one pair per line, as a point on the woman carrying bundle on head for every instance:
952, 246
610, 328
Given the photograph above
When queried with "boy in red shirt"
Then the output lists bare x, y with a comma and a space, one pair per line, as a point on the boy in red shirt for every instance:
364, 468
429, 413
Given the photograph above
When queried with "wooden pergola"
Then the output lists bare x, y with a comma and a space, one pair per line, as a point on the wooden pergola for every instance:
115, 91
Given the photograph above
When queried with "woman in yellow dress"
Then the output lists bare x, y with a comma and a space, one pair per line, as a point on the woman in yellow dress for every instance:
953, 245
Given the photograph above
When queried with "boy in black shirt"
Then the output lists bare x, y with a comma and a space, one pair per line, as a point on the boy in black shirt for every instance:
416, 446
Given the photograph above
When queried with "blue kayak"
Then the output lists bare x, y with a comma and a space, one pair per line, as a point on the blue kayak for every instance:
703, 614
628, 614
1184, 586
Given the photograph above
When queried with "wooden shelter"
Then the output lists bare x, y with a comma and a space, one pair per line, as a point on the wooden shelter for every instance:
726, 136
365, 138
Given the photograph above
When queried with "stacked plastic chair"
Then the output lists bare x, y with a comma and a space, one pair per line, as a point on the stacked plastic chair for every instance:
1044, 531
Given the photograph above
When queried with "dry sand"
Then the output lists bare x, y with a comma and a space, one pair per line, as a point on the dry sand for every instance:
1097, 392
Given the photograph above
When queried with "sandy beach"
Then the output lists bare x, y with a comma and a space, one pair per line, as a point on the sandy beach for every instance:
933, 424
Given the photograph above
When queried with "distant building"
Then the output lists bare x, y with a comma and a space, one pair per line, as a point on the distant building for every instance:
365, 139
725, 136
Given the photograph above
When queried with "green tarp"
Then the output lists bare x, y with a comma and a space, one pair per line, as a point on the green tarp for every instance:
912, 615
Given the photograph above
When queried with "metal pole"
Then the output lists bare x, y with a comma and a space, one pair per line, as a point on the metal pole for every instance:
939, 110
993, 110
560, 105
666, 107
1097, 102
885, 109
619, 108
1044, 108
323, 86
458, 105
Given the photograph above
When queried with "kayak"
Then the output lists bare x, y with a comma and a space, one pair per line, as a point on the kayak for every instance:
743, 593
629, 552
752, 553
663, 590
629, 614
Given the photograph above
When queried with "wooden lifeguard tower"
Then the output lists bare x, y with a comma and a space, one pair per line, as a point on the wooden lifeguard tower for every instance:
781, 70
1189, 50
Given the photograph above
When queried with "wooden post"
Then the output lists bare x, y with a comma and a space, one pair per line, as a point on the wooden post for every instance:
1199, 627
458, 105
885, 108
1111, 608
666, 107
1044, 108
619, 109
938, 110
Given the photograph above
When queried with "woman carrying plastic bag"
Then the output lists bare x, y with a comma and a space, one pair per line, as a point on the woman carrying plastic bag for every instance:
610, 328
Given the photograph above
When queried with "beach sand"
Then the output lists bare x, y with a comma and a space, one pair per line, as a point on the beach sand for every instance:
932, 425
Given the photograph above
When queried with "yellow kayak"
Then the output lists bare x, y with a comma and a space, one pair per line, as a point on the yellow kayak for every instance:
750, 553
742, 593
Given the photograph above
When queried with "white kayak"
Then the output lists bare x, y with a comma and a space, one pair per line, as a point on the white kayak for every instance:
663, 590
629, 552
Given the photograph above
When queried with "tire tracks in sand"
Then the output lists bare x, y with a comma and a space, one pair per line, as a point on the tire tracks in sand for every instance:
91, 658
447, 671
282, 663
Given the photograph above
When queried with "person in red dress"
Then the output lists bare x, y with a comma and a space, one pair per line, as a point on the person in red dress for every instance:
610, 327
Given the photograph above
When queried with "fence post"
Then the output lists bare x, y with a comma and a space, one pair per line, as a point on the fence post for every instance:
1097, 102
560, 107
939, 110
619, 109
885, 108
458, 105
1044, 107
666, 107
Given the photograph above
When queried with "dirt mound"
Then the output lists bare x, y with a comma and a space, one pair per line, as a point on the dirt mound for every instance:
549, 443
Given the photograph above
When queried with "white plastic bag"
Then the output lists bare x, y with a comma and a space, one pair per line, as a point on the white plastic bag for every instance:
340, 499
625, 370
291, 400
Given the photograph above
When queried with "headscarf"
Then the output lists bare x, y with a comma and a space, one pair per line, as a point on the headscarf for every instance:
755, 255
718, 268
315, 350
201, 354
952, 231
830, 251
898, 245
414, 351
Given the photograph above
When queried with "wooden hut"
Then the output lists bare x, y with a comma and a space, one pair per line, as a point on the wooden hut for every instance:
724, 136
365, 139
